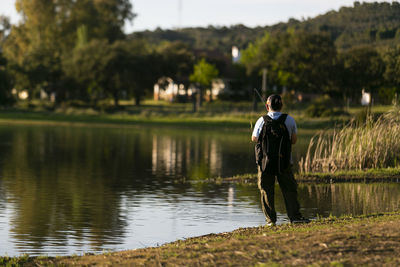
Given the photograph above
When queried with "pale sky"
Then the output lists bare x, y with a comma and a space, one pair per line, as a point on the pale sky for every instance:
164, 13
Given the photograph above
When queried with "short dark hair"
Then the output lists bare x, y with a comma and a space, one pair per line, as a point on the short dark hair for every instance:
275, 102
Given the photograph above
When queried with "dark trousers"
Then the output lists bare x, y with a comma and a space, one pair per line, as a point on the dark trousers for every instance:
288, 185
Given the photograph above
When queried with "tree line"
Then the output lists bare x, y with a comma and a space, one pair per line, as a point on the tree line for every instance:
310, 63
77, 50
375, 23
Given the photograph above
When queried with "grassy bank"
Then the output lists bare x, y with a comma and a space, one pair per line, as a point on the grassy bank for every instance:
372, 144
44, 118
217, 114
366, 240
369, 175
232, 120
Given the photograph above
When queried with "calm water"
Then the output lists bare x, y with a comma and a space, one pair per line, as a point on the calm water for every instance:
66, 190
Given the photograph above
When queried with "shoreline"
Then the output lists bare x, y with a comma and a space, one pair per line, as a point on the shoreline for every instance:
224, 120
360, 240
367, 176
127, 121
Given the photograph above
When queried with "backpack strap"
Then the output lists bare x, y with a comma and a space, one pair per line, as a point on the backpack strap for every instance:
267, 119
282, 118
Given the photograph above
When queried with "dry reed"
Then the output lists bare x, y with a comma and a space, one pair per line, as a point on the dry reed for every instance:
374, 144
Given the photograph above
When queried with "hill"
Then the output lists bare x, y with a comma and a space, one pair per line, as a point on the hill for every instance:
376, 24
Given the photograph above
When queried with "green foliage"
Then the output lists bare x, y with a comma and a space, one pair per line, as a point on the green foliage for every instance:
289, 99
14, 261
210, 38
308, 59
388, 94
177, 60
5, 27
300, 60
5, 83
77, 50
363, 68
82, 36
49, 32
323, 106
391, 57
374, 24
102, 69
261, 53
204, 73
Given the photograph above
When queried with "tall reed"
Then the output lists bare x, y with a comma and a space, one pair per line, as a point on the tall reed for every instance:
373, 144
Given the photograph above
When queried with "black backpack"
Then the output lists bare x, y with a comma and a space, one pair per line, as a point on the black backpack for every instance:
273, 148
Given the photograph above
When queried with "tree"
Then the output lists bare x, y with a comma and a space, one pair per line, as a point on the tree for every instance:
5, 83
177, 61
87, 66
363, 69
391, 58
50, 30
102, 69
203, 74
5, 27
299, 60
103, 19
139, 69
308, 62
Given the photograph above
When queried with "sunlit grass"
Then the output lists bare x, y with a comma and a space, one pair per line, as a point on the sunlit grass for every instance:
281, 245
374, 144
218, 114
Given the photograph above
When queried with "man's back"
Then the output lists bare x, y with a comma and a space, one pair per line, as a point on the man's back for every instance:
289, 122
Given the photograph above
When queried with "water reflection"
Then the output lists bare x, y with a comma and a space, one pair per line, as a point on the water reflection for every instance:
196, 158
355, 199
70, 190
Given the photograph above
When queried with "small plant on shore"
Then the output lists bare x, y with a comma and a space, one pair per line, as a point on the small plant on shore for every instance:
373, 144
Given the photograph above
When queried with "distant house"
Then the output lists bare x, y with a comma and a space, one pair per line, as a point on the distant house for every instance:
168, 90
218, 88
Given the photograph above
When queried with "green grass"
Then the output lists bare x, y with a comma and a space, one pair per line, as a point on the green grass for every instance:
161, 115
281, 245
15, 261
381, 172
221, 114
370, 175
223, 121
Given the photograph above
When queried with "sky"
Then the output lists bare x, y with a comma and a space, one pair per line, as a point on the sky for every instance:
201, 13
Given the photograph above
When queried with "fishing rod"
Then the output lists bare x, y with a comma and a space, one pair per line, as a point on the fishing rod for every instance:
259, 95
262, 99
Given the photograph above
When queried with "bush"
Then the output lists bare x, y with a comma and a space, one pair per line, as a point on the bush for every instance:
289, 99
388, 94
324, 106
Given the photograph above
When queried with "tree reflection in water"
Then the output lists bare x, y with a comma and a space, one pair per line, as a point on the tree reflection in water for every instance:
69, 189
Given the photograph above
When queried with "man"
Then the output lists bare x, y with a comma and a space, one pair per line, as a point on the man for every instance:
275, 133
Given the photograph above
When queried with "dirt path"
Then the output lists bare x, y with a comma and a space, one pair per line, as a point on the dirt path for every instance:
372, 240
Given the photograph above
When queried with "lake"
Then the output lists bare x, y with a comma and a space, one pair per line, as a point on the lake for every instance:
70, 190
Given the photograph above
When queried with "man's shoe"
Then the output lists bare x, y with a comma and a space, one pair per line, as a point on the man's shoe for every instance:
300, 220
269, 224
